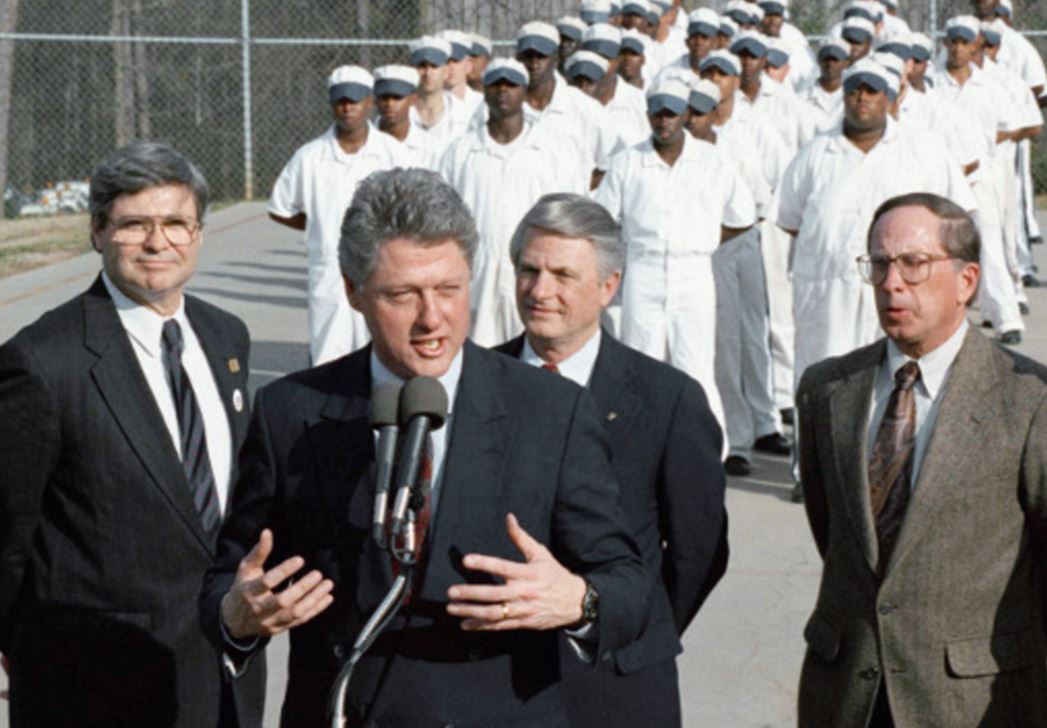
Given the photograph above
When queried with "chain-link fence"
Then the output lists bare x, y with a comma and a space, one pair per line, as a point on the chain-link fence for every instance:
239, 85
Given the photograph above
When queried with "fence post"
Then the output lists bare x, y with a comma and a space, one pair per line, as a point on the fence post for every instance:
245, 41
933, 20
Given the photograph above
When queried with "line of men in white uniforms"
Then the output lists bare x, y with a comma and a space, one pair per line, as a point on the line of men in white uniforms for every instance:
742, 236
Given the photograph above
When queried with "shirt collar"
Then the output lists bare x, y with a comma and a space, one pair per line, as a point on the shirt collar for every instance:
340, 155
578, 367
840, 143
380, 375
934, 365
142, 323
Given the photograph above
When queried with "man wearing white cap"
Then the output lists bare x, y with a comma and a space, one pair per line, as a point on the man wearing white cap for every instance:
585, 70
571, 29
703, 26
767, 97
922, 50
436, 111
803, 68
744, 372
825, 95
596, 11
459, 65
633, 59
626, 105
669, 40
500, 169
740, 129
480, 55
859, 34
894, 26
561, 110
394, 93
827, 199
311, 194
986, 109
676, 198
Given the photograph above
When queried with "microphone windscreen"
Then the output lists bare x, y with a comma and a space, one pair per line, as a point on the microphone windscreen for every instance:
423, 396
384, 405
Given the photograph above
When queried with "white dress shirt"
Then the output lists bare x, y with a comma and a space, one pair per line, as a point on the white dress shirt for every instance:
578, 367
935, 367
380, 375
144, 328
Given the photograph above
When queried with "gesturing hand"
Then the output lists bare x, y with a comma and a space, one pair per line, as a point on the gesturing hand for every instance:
251, 608
537, 594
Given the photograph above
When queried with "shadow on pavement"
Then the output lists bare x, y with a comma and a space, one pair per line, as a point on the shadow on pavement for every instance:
269, 267
297, 284
284, 251
770, 476
298, 302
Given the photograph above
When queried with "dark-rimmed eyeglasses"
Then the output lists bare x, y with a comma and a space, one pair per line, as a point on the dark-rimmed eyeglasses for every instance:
914, 268
136, 230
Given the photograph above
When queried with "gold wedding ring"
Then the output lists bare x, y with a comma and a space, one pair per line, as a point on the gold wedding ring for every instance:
505, 610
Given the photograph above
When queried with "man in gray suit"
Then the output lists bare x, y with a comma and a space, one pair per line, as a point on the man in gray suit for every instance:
924, 458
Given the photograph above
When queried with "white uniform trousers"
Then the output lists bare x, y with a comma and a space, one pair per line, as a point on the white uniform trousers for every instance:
1032, 224
335, 329
774, 247
669, 313
744, 371
996, 297
495, 319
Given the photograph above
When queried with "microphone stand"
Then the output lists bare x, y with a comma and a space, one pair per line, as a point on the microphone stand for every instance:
403, 552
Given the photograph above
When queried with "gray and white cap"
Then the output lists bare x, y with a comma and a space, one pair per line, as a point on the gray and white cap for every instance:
429, 49
603, 38
866, 72
586, 64
751, 42
668, 94
542, 38
350, 82
834, 48
571, 27
395, 80
705, 96
922, 47
704, 22
482, 47
461, 43
777, 52
505, 69
966, 27
633, 40
724, 60
596, 11
858, 30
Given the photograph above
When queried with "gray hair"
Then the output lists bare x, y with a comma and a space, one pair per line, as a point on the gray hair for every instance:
139, 166
958, 234
574, 216
402, 203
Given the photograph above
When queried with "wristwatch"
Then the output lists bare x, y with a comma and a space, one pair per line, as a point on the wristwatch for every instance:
590, 604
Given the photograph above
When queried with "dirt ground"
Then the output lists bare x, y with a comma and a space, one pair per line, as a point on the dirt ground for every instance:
32, 242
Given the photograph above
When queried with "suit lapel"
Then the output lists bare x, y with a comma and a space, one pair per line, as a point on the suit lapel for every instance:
967, 403
122, 385
849, 416
612, 391
470, 499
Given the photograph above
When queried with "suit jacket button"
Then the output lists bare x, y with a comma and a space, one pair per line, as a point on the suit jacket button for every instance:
869, 673
339, 652
886, 608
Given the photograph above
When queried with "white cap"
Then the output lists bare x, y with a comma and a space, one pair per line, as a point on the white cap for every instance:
858, 30
728, 27
724, 60
1004, 7
751, 41
429, 49
635, 41
868, 72
571, 26
774, 7
963, 26
892, 4
668, 93
596, 11
395, 80
993, 31
586, 63
482, 46
603, 38
922, 45
461, 42
350, 82
705, 21
543, 38
837, 47
895, 67
705, 96
636, 7
505, 69
777, 52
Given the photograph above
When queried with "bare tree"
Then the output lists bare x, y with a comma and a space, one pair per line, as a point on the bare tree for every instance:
8, 20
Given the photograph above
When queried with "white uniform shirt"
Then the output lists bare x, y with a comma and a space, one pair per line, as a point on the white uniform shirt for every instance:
935, 367
756, 151
803, 64
982, 103
827, 107
451, 124
424, 149
580, 118
500, 183
894, 27
627, 111
320, 181
144, 328
1021, 56
783, 110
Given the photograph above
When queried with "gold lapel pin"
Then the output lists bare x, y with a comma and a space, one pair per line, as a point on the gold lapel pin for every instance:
612, 416
234, 365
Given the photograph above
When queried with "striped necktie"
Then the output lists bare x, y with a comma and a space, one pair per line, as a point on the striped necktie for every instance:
890, 465
195, 460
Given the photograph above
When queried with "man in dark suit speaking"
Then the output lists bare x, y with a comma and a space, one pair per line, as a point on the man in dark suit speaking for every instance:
121, 413
665, 450
525, 535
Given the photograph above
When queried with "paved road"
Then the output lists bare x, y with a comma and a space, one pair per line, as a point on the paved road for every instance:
742, 657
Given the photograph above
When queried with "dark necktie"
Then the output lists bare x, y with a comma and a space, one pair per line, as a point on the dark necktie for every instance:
195, 460
550, 368
890, 464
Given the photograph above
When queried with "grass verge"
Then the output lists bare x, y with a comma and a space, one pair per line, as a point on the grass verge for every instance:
34, 242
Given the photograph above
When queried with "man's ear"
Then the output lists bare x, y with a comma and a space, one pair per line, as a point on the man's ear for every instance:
94, 240
608, 287
351, 292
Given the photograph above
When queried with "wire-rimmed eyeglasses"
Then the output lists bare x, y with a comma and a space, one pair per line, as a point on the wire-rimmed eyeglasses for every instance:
913, 267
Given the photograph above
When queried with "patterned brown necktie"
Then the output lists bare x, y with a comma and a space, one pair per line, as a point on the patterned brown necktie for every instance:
551, 368
890, 464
